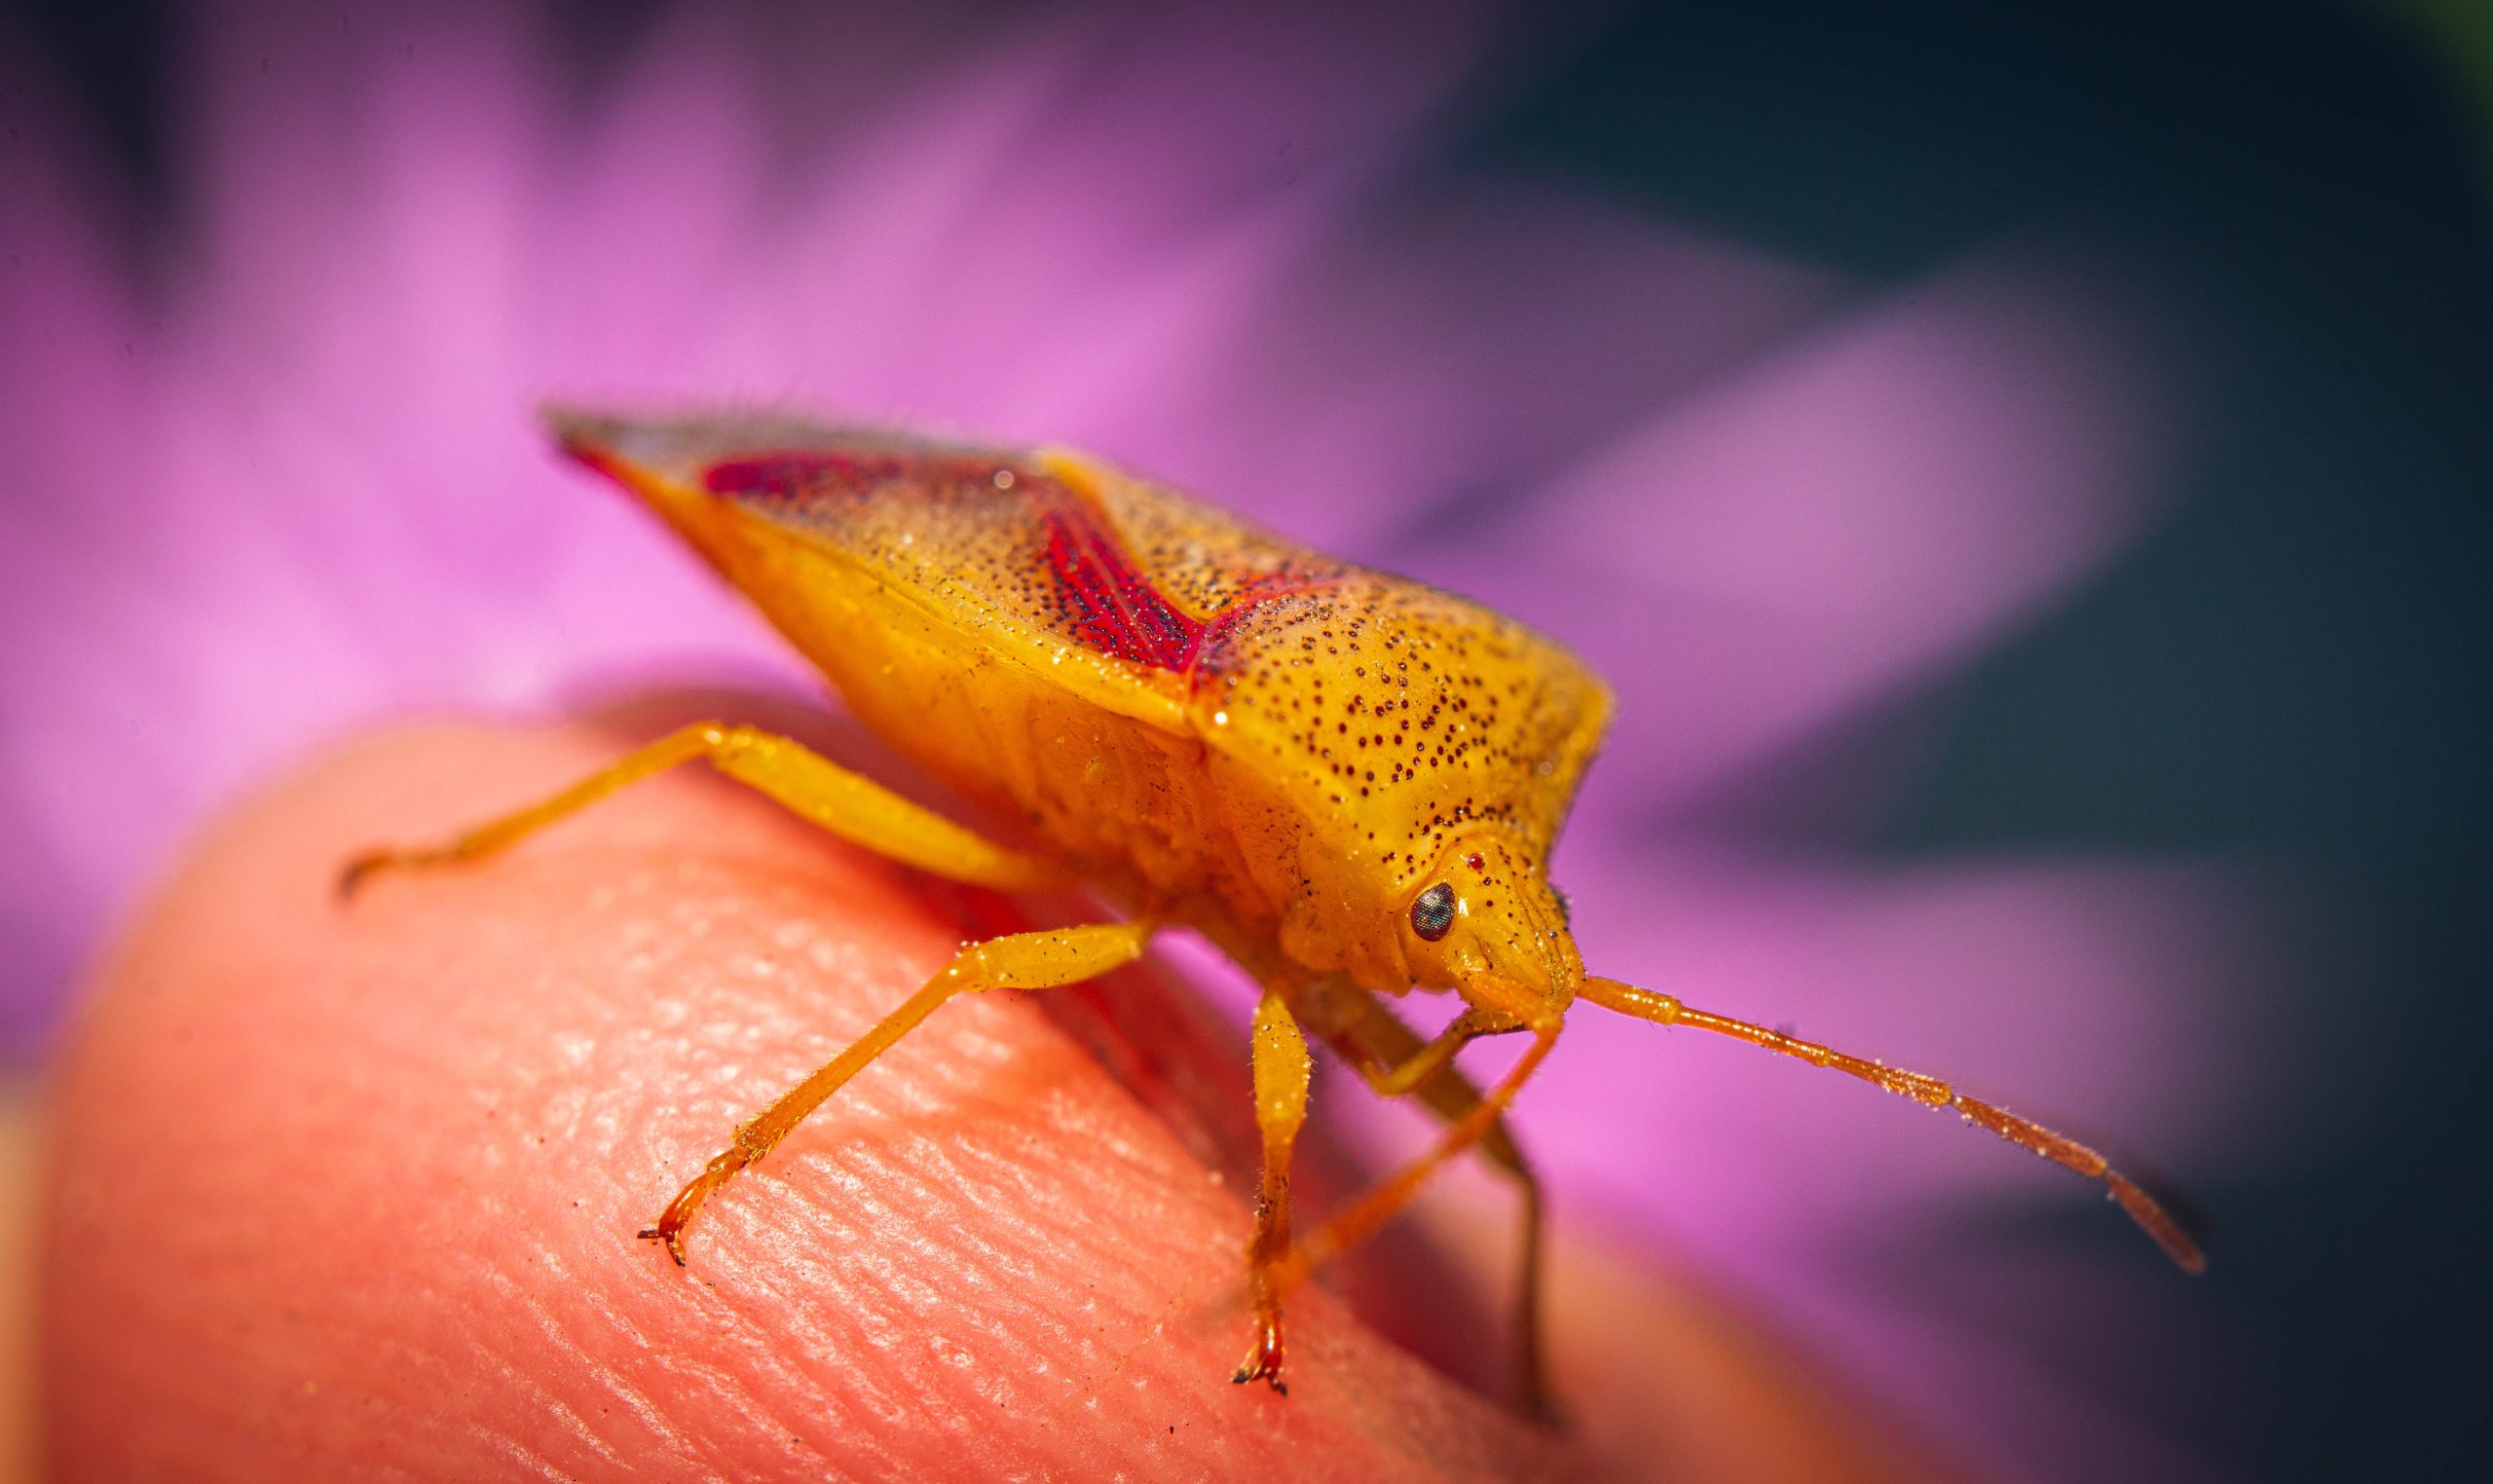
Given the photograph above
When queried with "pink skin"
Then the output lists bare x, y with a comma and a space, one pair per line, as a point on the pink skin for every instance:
349, 1191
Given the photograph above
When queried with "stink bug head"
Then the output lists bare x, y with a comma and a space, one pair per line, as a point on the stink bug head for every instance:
1489, 927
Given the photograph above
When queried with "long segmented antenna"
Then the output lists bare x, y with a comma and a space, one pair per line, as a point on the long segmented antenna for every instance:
2026, 1133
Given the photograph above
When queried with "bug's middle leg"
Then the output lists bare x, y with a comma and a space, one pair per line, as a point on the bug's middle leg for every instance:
1281, 1071
1038, 960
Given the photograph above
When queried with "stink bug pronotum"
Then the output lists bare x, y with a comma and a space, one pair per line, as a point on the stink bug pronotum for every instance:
1347, 781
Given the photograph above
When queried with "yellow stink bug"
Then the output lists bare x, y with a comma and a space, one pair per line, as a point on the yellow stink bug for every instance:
1347, 781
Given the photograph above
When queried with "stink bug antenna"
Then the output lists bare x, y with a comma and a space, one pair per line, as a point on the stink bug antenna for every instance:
2026, 1133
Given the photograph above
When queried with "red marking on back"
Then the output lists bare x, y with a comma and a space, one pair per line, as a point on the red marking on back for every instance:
1109, 602
1263, 590
1114, 606
1111, 605
796, 471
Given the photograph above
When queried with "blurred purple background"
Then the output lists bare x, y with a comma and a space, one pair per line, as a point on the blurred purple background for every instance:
1834, 482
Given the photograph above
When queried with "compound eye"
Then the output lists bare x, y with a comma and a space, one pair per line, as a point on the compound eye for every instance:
1432, 912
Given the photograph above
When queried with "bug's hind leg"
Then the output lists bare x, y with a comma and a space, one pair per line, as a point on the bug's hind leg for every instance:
1388, 1053
805, 782
1281, 1071
1038, 960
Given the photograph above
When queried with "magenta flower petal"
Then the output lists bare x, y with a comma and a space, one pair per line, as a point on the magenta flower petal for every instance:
1428, 355
293, 488
1834, 523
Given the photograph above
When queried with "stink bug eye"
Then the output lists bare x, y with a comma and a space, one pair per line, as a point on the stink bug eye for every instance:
1433, 914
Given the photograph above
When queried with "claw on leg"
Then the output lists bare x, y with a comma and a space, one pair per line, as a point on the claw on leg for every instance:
1264, 1361
672, 1221
353, 874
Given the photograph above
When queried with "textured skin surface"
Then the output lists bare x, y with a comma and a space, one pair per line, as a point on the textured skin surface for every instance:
389, 1234
1276, 747
350, 1194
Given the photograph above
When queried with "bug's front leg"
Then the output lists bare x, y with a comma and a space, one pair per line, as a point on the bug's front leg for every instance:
1397, 1062
1281, 1071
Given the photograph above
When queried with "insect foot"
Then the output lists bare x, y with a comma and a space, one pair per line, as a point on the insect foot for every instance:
1264, 1361
679, 1211
355, 872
